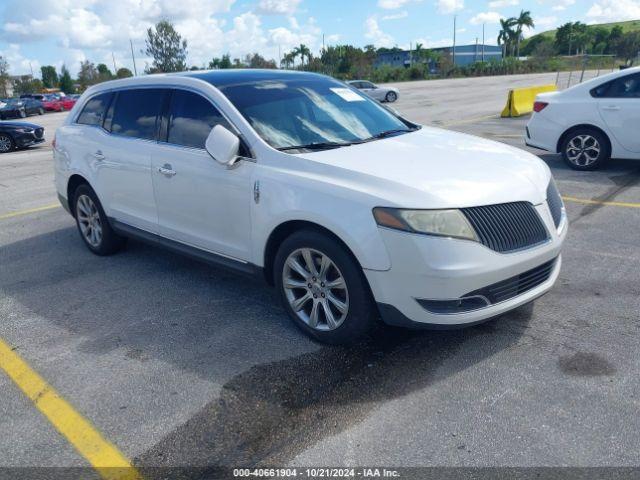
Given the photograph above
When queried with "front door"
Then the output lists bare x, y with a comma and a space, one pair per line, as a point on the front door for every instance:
200, 202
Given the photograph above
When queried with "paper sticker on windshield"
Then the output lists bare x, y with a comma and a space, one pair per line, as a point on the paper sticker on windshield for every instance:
348, 95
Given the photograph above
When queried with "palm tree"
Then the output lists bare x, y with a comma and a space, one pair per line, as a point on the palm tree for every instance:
288, 59
506, 33
523, 20
303, 51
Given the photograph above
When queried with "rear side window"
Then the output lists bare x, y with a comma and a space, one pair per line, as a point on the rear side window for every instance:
191, 118
94, 110
623, 87
136, 113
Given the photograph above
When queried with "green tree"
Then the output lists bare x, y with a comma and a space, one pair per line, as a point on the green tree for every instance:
124, 72
258, 61
66, 83
104, 73
27, 84
4, 77
523, 20
627, 47
49, 76
167, 48
506, 34
88, 74
303, 51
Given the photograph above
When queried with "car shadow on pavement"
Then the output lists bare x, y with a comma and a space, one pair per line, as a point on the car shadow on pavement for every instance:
281, 393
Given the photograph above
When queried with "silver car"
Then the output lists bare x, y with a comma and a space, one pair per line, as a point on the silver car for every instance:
382, 94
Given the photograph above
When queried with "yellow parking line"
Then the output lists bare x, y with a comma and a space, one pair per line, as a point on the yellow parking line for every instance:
103, 456
20, 213
597, 202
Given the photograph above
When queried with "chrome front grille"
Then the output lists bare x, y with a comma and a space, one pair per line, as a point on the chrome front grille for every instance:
555, 203
507, 227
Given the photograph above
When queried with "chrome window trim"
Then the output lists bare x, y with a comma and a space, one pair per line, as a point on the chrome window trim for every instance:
162, 86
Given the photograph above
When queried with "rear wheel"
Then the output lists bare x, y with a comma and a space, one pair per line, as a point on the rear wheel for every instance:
585, 149
93, 225
41, 111
391, 97
6, 143
323, 288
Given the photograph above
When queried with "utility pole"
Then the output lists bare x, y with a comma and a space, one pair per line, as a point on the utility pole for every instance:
133, 58
115, 69
31, 68
475, 56
455, 18
483, 42
410, 54
279, 57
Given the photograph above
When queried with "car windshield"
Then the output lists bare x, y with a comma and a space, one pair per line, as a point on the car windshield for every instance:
311, 113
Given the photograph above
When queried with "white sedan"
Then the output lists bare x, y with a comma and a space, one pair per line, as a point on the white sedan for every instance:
382, 94
591, 122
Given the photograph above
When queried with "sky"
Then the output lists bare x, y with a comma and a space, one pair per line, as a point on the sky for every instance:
56, 32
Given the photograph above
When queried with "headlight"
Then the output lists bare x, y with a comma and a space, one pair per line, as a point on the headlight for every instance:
444, 223
24, 130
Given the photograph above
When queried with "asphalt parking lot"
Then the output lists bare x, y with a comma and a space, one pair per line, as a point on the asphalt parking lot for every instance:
178, 364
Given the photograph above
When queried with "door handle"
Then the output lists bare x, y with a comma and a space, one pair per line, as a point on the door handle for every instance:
611, 108
98, 155
166, 170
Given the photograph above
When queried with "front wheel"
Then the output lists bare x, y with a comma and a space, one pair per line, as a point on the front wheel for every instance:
22, 113
323, 288
6, 143
391, 97
585, 149
93, 225
40, 111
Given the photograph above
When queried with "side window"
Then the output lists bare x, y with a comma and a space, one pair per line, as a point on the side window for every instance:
367, 85
136, 113
94, 110
623, 87
191, 118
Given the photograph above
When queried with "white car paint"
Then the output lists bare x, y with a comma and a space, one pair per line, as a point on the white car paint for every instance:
618, 118
378, 92
213, 208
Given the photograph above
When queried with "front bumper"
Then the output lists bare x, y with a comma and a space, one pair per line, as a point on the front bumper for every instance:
425, 267
28, 139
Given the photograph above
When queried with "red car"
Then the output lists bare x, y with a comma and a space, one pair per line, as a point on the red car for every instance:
69, 101
52, 103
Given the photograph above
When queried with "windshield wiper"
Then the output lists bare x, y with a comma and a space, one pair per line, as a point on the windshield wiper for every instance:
316, 146
388, 133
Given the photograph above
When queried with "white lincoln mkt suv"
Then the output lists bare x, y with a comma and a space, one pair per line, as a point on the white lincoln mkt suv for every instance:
352, 212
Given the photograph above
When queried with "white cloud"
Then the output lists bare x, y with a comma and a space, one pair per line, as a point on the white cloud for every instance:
376, 35
614, 10
333, 38
560, 5
18, 63
278, 7
396, 16
485, 17
449, 6
503, 3
392, 4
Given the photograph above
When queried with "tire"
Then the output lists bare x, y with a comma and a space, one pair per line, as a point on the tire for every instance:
585, 149
352, 308
40, 111
391, 97
22, 113
6, 143
90, 217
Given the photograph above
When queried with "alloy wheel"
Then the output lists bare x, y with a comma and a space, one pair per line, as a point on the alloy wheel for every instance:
5, 144
315, 289
583, 150
89, 220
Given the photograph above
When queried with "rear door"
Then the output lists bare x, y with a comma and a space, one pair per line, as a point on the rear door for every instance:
200, 202
371, 90
619, 106
123, 156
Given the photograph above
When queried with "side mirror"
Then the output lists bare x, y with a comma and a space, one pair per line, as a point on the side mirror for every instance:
223, 145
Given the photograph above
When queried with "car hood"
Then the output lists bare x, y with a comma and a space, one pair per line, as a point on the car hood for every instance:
4, 124
435, 168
